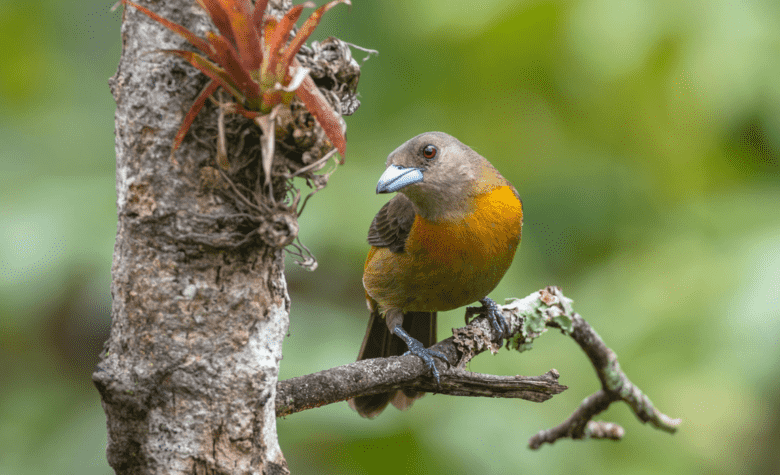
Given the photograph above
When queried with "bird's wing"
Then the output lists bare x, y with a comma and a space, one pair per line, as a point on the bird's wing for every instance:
392, 224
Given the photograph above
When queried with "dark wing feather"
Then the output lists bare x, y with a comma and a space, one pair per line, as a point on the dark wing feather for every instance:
392, 224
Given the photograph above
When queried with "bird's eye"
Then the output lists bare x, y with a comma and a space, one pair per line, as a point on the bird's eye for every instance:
430, 151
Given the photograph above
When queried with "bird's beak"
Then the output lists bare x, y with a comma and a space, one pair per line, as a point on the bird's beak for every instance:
395, 178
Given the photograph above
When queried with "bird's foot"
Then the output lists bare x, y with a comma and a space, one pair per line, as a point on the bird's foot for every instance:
497, 320
426, 354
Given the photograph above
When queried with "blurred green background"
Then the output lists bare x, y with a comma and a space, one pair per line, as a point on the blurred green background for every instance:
643, 136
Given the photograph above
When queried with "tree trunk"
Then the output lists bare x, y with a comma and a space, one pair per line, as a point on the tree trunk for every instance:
188, 376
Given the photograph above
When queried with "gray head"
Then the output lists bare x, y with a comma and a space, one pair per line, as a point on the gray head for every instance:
437, 172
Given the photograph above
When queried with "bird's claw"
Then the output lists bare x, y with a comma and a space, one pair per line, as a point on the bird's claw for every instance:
426, 354
497, 320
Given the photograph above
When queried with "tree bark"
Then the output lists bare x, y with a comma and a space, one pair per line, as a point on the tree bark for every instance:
188, 376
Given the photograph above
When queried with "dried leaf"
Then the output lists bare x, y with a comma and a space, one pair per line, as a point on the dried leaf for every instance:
306, 30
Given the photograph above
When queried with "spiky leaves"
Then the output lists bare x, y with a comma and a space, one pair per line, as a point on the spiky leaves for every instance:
250, 58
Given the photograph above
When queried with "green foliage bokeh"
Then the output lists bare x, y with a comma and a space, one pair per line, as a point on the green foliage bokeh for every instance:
643, 136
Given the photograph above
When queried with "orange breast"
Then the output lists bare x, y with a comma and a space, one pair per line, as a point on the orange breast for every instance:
449, 264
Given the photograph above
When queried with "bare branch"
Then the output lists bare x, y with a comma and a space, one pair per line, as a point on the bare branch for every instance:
528, 318
383, 374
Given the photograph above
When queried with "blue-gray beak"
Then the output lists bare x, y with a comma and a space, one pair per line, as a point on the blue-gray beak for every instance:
395, 178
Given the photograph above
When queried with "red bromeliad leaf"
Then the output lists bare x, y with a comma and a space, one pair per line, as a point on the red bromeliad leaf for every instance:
305, 31
219, 17
210, 89
210, 70
196, 41
227, 58
328, 119
259, 14
277, 38
245, 35
268, 80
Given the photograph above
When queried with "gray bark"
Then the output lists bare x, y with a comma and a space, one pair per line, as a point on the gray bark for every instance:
200, 304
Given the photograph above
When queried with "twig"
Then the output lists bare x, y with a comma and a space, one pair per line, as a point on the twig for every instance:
365, 50
615, 387
576, 425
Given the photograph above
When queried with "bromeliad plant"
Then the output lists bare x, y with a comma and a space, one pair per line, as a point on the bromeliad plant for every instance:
251, 59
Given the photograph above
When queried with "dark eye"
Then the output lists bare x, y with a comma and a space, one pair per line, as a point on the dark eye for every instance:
430, 151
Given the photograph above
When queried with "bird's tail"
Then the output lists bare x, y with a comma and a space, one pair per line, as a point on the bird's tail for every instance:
379, 343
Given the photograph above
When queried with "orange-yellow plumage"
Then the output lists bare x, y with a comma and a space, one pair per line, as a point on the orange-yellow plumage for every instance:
448, 264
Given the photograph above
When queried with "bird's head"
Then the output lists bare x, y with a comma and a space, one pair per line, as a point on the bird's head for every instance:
436, 171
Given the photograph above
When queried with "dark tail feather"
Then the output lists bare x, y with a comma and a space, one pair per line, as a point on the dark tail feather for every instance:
380, 343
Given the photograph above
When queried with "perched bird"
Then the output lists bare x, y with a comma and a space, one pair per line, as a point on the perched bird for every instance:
444, 241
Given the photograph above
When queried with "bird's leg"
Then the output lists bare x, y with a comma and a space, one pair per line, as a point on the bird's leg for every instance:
497, 320
416, 348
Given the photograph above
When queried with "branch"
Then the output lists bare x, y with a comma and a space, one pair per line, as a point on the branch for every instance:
383, 374
528, 318
615, 387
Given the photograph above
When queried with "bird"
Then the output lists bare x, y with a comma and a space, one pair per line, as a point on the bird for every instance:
443, 241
